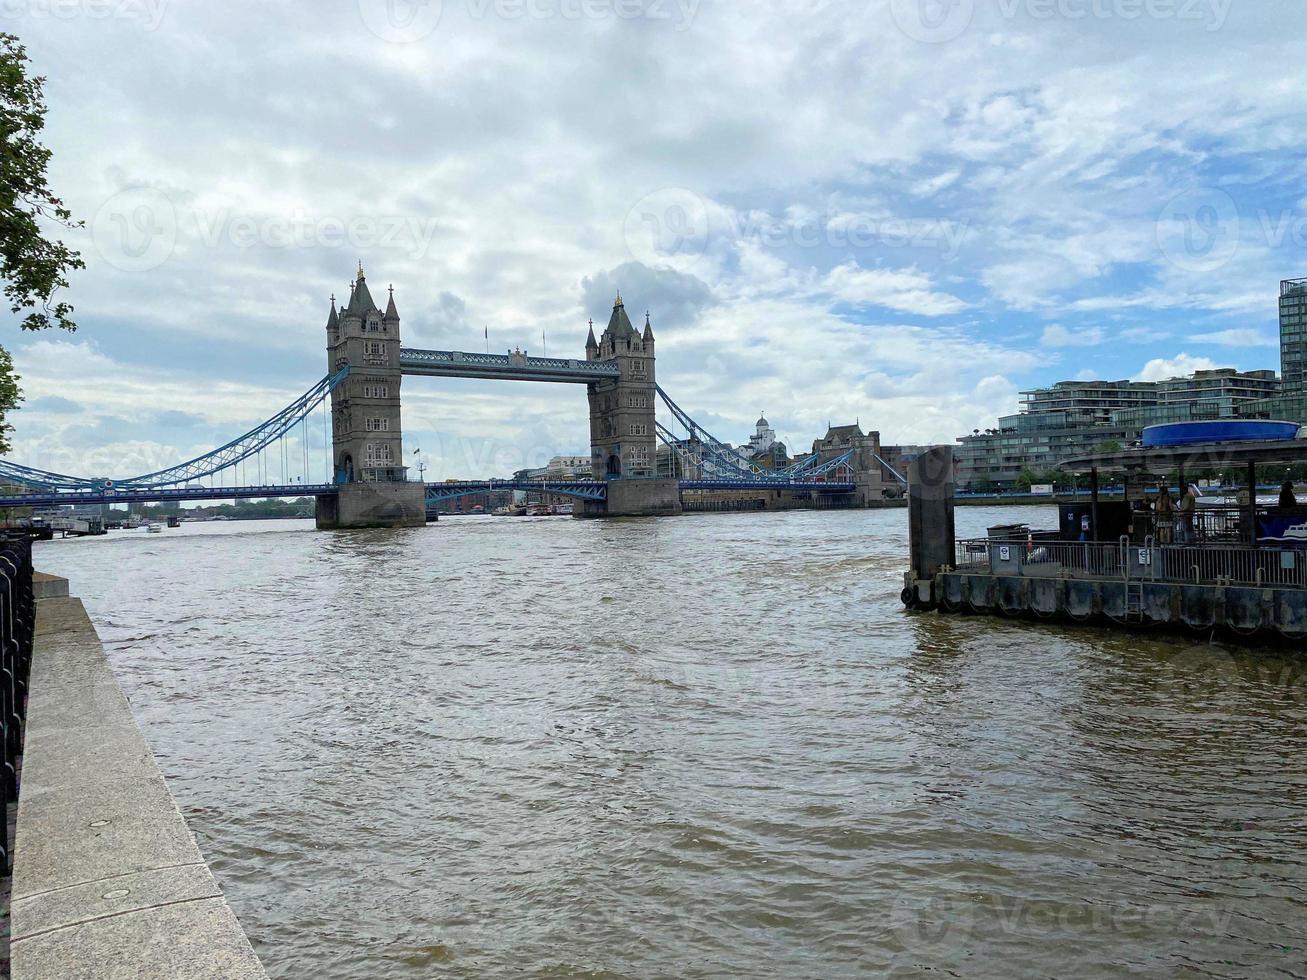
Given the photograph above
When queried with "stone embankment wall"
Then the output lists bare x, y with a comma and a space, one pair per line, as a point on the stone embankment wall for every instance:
108, 881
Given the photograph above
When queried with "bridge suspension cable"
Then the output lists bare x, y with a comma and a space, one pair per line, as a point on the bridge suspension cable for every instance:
252, 443
246, 449
14, 474
705, 450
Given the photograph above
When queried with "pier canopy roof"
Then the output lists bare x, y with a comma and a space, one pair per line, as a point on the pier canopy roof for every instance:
1192, 456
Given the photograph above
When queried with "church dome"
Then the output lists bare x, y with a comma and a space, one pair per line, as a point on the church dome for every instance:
762, 422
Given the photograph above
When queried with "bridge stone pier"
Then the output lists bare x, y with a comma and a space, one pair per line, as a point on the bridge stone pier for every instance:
623, 433
367, 442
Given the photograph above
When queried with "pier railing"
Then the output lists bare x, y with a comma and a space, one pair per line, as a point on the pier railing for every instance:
17, 624
1206, 564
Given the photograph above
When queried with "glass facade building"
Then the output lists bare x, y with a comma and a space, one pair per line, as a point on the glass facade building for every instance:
1293, 335
1075, 418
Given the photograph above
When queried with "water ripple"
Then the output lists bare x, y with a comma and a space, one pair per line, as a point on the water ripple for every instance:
698, 747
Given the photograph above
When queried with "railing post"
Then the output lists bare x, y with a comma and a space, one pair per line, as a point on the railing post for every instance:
17, 628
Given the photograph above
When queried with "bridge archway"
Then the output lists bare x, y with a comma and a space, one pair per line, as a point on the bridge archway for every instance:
614, 465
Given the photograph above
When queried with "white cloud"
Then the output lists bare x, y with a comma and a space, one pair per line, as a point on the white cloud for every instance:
1182, 365
1056, 335
1237, 337
905, 290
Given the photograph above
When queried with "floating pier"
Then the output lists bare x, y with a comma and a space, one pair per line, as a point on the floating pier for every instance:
1238, 568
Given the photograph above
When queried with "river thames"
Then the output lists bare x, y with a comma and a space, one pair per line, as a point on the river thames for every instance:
704, 746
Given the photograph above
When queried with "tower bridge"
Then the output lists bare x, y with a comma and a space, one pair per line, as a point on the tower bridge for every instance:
368, 484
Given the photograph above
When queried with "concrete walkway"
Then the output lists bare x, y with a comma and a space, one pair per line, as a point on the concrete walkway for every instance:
108, 881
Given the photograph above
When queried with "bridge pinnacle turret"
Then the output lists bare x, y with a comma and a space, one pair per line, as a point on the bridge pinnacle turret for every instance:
360, 302
333, 320
590, 343
392, 314
648, 328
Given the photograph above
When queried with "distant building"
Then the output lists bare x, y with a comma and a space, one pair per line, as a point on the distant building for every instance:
1290, 403
1074, 418
869, 476
569, 468
763, 438
1293, 335
896, 459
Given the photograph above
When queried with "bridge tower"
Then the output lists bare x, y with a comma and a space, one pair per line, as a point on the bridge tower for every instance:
623, 438
367, 441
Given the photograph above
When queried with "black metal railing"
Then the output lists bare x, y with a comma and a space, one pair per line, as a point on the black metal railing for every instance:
17, 626
1213, 563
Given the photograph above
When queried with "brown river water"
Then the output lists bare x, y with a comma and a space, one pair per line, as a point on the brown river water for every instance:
707, 746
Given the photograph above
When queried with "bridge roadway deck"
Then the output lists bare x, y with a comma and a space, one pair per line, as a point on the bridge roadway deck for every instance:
580, 489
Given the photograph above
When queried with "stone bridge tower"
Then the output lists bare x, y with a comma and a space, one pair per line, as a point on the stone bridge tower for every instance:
623, 437
367, 441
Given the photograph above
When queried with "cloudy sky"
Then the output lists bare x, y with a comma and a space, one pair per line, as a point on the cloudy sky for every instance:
897, 211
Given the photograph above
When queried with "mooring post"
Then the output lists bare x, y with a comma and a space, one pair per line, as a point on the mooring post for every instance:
931, 539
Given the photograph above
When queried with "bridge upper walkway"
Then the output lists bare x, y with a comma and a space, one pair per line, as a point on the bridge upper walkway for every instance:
515, 366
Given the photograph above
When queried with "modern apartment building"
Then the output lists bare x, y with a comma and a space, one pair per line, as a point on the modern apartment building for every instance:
1073, 418
1291, 403
1293, 335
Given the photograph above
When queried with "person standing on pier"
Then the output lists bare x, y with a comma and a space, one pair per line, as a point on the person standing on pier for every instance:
1287, 497
1188, 503
1164, 514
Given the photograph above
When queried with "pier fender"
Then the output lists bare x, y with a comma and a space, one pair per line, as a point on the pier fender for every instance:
951, 596
1045, 596
1157, 605
1244, 609
976, 589
1114, 605
1199, 606
1081, 599
1290, 607
1011, 594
